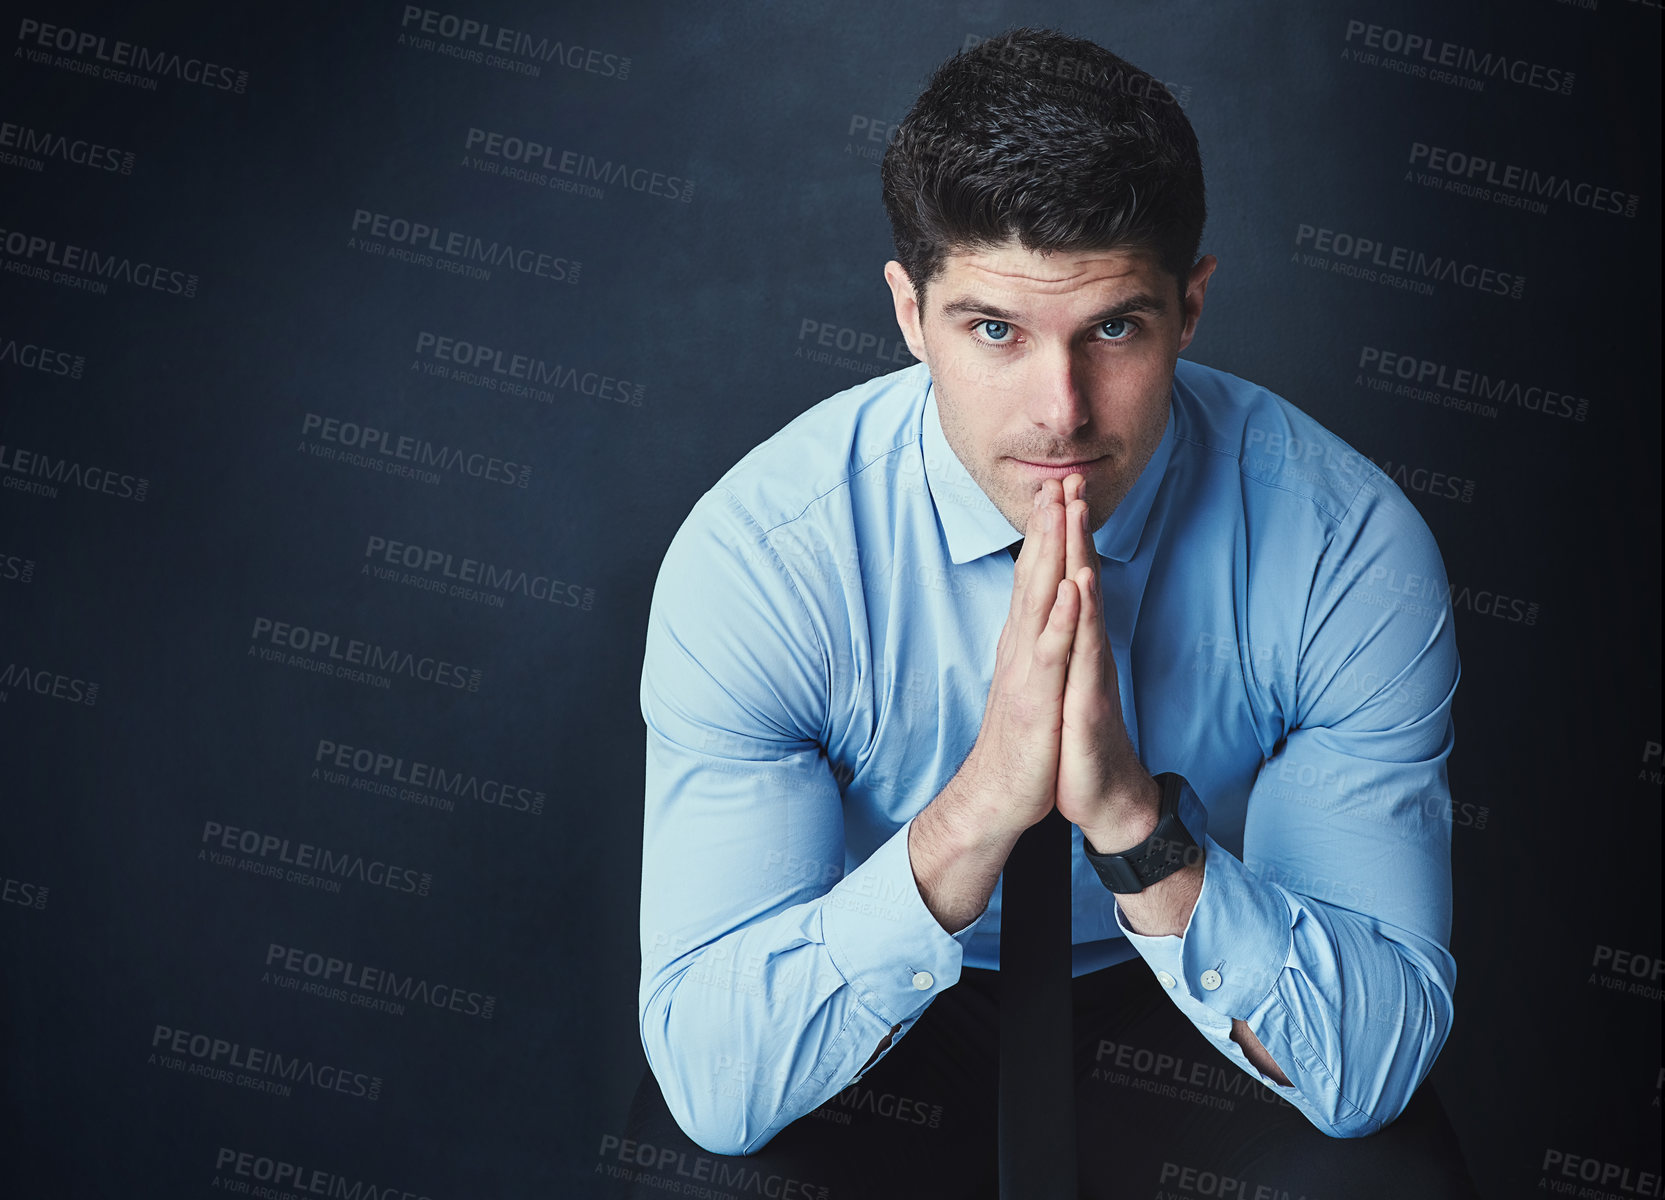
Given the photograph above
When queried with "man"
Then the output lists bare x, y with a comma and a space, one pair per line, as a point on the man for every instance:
1223, 625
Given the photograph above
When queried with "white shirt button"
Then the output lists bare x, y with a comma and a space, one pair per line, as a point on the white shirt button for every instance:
1210, 980
922, 980
1165, 979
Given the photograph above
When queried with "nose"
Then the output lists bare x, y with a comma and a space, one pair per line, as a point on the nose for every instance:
1058, 402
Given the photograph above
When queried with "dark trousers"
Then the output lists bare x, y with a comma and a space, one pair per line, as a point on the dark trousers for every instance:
1159, 1113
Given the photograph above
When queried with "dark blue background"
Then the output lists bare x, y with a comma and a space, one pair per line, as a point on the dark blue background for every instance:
703, 304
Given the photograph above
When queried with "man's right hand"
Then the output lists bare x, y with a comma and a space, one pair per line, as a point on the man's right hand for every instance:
1013, 767
959, 843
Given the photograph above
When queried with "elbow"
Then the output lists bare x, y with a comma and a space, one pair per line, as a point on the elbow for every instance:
717, 1123
704, 1091
1373, 1092
1395, 1086
1369, 1040
1356, 1125
1364, 1122
715, 1133
726, 1147
1335, 1116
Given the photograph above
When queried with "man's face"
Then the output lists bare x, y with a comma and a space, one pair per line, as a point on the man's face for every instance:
1046, 365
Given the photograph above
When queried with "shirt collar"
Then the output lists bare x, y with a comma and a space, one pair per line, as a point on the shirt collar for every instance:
975, 527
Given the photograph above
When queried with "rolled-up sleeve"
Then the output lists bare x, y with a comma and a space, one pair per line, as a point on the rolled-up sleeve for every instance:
771, 977
1329, 937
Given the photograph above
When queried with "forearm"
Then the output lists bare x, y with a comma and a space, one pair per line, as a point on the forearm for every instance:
1349, 1013
751, 1030
1260, 1058
747, 1035
957, 846
1356, 1018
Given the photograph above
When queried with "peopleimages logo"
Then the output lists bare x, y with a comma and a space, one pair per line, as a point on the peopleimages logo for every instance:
23, 893
1074, 73
94, 54
30, 148
14, 568
368, 986
1448, 62
1173, 1076
494, 46
1564, 1171
331, 651
35, 257
32, 356
1513, 186
462, 253
253, 1067
307, 863
38, 474
363, 769
675, 1171
1465, 388
1386, 587
1639, 974
356, 444
1379, 262
53, 684
533, 161
245, 1166
1427, 480
467, 576
514, 374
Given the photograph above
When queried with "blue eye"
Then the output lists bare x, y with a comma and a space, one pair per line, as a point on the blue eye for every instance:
1116, 329
995, 330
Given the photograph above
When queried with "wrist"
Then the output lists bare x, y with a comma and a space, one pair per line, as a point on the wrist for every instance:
1130, 813
957, 851
989, 807
1168, 851
976, 819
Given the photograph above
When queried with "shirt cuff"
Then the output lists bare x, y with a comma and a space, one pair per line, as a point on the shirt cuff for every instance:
884, 941
1232, 950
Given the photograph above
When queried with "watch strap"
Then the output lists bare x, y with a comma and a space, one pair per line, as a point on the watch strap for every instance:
1171, 846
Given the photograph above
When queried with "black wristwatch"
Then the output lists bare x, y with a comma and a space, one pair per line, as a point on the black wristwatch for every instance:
1169, 847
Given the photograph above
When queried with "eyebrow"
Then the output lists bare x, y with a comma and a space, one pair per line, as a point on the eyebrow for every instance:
967, 305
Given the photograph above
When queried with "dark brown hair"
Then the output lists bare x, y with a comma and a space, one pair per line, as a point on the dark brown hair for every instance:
1048, 138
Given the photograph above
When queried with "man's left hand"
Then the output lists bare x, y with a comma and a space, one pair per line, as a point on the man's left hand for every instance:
1102, 785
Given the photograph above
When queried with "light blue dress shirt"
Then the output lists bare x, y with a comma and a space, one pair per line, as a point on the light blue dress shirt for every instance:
819, 651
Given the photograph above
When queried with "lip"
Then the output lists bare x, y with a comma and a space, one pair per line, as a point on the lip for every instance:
1057, 470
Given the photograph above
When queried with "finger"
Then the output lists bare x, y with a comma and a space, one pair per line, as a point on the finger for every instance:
1026, 557
1049, 562
1083, 550
1045, 567
1087, 651
1079, 539
1052, 647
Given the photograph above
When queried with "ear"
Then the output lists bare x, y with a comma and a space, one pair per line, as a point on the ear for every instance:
1196, 287
906, 301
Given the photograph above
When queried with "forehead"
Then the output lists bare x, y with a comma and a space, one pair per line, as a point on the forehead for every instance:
1009, 275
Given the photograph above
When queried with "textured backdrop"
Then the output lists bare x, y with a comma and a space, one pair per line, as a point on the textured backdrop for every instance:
358, 362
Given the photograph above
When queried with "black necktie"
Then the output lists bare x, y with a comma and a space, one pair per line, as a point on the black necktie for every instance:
1037, 1081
